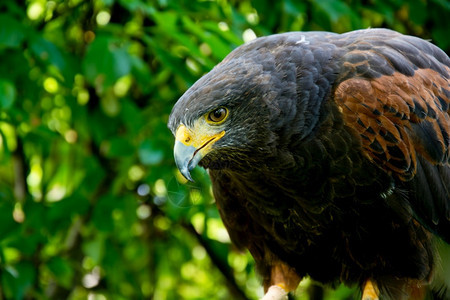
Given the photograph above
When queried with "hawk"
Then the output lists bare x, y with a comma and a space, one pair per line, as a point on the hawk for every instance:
328, 156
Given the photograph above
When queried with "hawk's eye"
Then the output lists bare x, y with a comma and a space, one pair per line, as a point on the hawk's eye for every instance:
218, 115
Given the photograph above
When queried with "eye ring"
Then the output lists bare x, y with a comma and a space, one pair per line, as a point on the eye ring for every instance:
217, 116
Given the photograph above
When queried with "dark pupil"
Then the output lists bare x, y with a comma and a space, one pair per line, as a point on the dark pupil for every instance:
218, 114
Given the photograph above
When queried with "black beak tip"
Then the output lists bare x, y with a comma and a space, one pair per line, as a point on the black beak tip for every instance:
187, 174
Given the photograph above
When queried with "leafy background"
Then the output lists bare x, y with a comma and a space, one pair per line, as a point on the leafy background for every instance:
91, 204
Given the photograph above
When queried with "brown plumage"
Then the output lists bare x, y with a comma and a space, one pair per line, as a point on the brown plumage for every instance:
328, 155
385, 111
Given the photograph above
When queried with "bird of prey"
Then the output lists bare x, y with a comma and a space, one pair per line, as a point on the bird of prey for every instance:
328, 156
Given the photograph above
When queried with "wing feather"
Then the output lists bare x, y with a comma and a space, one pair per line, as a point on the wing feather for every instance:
401, 113
399, 116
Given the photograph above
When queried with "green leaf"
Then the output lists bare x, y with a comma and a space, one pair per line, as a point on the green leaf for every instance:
418, 12
172, 62
17, 279
440, 36
167, 20
149, 153
294, 8
62, 270
12, 32
60, 213
95, 248
8, 94
335, 9
232, 39
141, 73
132, 116
119, 147
445, 4
47, 51
102, 215
28, 243
219, 48
106, 61
7, 224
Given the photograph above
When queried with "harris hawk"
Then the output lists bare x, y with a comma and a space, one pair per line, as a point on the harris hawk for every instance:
328, 156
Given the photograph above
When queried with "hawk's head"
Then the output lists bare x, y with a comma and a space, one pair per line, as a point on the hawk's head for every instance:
246, 107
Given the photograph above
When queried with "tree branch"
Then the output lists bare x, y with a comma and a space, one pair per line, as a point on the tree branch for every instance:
20, 172
234, 288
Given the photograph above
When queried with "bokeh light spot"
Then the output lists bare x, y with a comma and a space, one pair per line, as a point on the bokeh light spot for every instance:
103, 18
35, 10
51, 85
248, 35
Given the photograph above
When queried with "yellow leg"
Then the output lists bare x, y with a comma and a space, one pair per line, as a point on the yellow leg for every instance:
370, 291
283, 276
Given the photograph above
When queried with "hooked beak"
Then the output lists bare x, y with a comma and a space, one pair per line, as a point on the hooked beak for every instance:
191, 147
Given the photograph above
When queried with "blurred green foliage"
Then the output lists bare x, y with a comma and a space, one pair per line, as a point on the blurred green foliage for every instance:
91, 204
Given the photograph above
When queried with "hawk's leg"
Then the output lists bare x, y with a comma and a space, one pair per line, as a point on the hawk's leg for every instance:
283, 279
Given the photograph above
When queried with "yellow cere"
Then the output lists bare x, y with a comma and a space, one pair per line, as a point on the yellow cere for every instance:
199, 136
